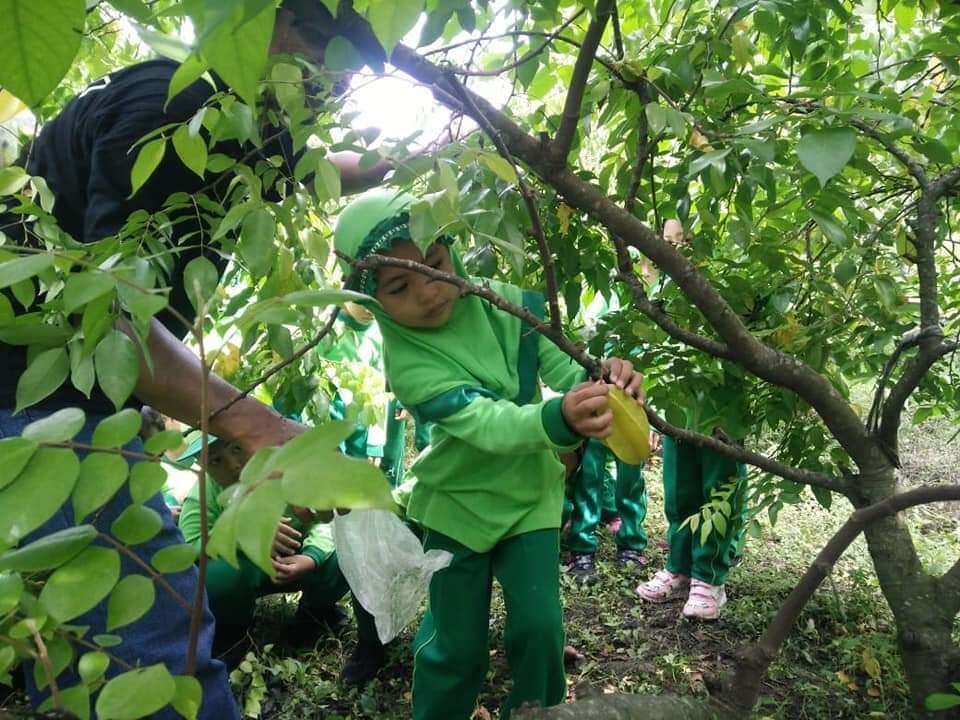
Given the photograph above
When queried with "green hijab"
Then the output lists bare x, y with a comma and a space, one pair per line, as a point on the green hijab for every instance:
475, 353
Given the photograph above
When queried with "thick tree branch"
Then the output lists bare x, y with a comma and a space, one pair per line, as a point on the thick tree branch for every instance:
760, 359
737, 452
756, 660
485, 292
909, 340
536, 225
563, 140
947, 184
950, 585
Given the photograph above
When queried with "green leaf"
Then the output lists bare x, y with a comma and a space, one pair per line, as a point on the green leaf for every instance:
13, 271
117, 366
42, 377
136, 524
392, 19
92, 666
130, 600
15, 453
942, 701
189, 696
905, 15
845, 271
75, 700
239, 54
825, 152
189, 71
78, 586
192, 150
136, 694
148, 160
315, 473
117, 430
830, 228
887, 291
50, 551
101, 475
257, 517
500, 167
163, 442
256, 241
714, 158
174, 558
11, 588
656, 118
56, 428
288, 86
327, 182
146, 480
39, 42
200, 279
81, 288
12, 180
823, 496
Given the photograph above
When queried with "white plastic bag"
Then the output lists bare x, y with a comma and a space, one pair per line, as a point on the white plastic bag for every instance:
385, 566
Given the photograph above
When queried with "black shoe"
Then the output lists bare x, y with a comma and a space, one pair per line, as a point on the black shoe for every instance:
363, 665
323, 619
629, 559
583, 567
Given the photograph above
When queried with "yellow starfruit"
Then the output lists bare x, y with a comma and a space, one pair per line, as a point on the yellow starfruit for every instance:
630, 437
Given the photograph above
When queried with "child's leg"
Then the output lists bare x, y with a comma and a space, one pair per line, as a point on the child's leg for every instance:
682, 497
450, 651
525, 568
587, 495
711, 560
631, 506
233, 592
608, 497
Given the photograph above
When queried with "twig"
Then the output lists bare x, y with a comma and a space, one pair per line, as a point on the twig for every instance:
154, 575
737, 452
755, 660
563, 140
549, 270
557, 337
912, 166
526, 58
617, 34
274, 369
133, 455
44, 659
70, 637
196, 614
910, 339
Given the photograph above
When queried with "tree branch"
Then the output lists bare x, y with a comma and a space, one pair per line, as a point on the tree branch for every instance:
44, 659
763, 361
549, 270
909, 340
912, 166
485, 292
946, 183
755, 661
158, 578
950, 585
563, 140
550, 37
741, 454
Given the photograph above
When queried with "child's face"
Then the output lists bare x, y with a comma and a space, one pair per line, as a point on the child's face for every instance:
413, 299
225, 461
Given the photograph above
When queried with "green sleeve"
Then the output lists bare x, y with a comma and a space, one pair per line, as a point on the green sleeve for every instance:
503, 428
190, 512
557, 369
318, 543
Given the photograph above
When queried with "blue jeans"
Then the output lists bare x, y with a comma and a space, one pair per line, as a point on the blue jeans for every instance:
162, 634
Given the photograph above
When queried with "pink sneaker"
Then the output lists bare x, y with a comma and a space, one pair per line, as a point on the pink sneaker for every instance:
664, 587
705, 601
613, 527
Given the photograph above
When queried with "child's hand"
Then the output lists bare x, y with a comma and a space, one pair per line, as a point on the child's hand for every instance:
622, 374
292, 568
586, 410
287, 540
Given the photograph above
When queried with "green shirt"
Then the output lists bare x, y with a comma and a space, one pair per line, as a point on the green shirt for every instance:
492, 469
317, 541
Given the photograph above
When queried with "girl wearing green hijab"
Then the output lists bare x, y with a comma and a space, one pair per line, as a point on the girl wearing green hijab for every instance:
490, 487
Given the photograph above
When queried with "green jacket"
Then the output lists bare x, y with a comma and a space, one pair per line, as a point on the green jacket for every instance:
492, 469
317, 541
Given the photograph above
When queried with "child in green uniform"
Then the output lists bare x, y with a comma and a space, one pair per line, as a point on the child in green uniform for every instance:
589, 496
303, 561
490, 487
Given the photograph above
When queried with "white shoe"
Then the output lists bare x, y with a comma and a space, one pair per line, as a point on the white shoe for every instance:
705, 601
664, 587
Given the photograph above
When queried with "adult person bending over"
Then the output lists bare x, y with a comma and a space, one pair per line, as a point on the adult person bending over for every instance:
84, 156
